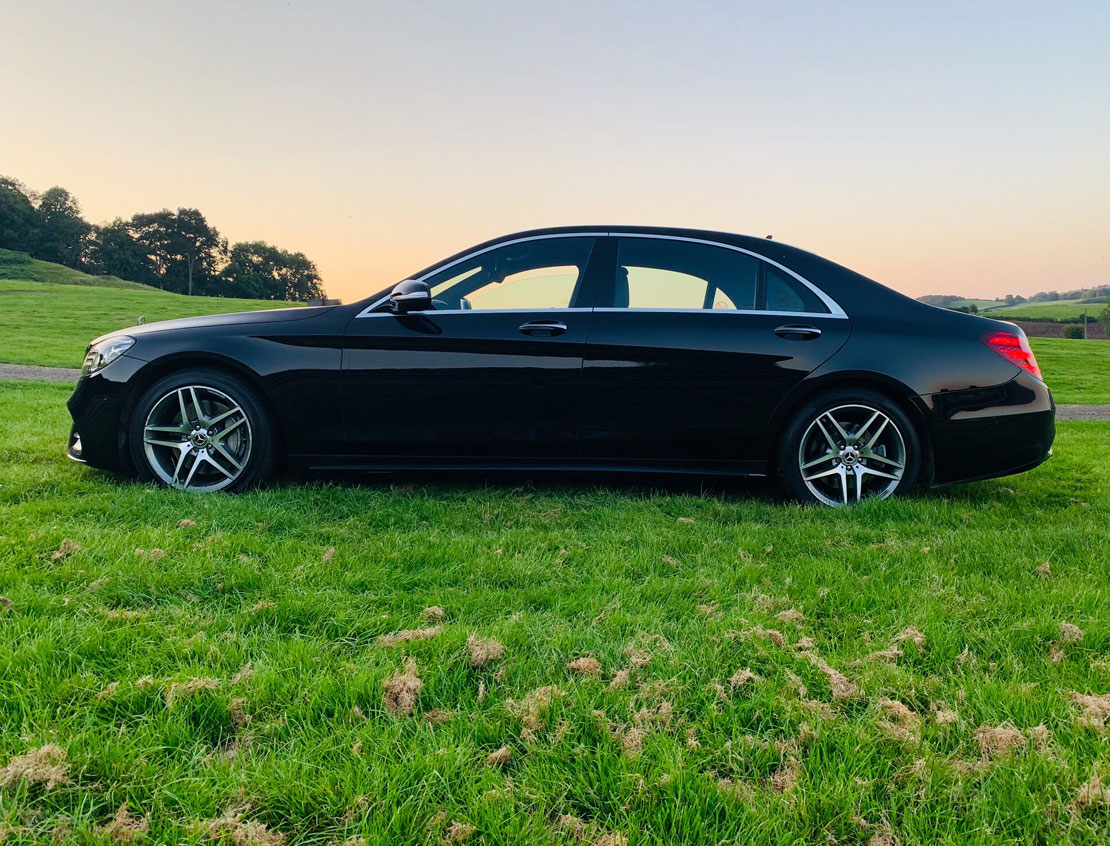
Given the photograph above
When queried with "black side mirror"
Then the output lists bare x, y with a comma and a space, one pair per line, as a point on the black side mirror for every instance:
410, 295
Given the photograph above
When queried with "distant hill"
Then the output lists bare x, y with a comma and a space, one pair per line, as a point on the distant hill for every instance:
1079, 297
16, 265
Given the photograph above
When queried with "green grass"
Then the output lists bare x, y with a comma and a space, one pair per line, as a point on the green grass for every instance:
1077, 371
16, 265
50, 324
1060, 310
300, 580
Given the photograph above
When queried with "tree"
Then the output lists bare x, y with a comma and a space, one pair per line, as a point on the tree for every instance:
114, 251
183, 249
1104, 319
262, 271
62, 230
19, 222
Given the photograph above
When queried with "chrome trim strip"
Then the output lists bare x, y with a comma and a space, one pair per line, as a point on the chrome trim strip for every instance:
436, 312
804, 314
834, 307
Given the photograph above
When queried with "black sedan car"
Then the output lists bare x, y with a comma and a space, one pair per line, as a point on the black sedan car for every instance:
581, 348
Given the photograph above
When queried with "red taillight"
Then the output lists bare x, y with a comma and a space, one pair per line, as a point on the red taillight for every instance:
1014, 348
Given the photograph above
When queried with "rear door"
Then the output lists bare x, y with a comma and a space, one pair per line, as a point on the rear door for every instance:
491, 373
691, 347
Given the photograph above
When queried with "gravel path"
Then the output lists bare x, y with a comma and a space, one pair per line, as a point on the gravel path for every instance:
24, 372
32, 372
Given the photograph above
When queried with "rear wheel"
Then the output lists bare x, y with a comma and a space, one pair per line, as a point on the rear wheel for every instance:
201, 430
848, 445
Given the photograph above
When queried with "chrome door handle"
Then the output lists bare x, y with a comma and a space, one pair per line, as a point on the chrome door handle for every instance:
798, 333
543, 328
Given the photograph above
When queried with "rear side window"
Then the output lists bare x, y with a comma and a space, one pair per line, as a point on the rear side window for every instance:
660, 273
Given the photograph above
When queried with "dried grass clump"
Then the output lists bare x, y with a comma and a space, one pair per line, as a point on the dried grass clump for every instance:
408, 636
909, 635
242, 675
1070, 633
572, 825
108, 692
6, 603
128, 615
533, 709
791, 615
238, 715
1044, 570
656, 717
125, 828
66, 549
230, 827
187, 524
401, 691
45, 765
620, 679
434, 612
899, 722
841, 687
459, 832
611, 838
439, 716
482, 651
786, 776
177, 690
1093, 794
998, 742
742, 677
945, 718
1094, 709
585, 666
499, 757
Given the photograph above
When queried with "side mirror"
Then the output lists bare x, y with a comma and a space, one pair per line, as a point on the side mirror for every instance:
410, 295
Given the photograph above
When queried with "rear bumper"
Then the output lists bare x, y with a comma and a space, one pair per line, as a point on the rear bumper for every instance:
982, 433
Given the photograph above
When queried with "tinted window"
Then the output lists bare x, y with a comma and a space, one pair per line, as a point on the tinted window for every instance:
531, 275
785, 293
678, 274
660, 273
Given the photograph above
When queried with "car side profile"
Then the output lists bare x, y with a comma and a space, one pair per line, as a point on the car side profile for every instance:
641, 349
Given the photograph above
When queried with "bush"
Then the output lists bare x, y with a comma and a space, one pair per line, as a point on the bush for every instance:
1075, 332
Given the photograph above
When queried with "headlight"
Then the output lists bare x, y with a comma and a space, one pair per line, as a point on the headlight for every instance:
102, 354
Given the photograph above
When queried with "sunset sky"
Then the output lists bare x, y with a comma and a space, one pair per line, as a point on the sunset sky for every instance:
952, 147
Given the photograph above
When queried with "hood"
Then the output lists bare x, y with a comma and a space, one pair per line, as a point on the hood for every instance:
242, 318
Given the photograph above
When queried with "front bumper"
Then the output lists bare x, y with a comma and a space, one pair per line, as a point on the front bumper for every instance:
96, 406
982, 433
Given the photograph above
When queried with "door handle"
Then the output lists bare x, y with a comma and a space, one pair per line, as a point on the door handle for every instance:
796, 332
543, 328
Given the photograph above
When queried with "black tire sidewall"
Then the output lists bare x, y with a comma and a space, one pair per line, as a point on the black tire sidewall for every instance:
790, 473
260, 464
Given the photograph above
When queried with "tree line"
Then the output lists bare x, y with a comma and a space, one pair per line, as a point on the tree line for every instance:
177, 251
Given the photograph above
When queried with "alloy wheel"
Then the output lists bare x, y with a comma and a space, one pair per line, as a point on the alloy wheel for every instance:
851, 452
197, 438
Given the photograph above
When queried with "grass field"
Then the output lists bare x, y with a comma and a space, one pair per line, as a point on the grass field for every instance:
241, 668
1060, 310
50, 324
1077, 371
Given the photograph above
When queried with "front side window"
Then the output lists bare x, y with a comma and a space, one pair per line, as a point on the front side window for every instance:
531, 275
671, 274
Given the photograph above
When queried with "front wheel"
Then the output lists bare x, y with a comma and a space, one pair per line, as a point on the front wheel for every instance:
201, 430
848, 445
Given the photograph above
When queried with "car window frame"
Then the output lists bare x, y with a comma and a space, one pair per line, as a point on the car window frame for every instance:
601, 270
834, 309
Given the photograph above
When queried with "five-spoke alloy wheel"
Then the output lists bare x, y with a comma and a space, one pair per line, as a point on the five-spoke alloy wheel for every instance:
848, 446
201, 431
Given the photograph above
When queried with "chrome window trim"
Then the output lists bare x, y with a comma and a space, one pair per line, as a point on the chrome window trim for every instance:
368, 311
834, 307
745, 311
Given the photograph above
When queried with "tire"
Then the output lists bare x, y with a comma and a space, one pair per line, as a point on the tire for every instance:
880, 457
228, 443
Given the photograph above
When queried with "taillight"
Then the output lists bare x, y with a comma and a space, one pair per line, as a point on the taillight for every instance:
1015, 349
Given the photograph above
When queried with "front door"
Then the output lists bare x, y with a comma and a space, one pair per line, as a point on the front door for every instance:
691, 348
491, 372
